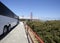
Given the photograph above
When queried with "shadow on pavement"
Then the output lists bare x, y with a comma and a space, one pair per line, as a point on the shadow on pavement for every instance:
3, 35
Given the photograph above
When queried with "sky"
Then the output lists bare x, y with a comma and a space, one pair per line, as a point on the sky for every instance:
41, 9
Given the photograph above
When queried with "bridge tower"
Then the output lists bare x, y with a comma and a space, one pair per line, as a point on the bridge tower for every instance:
31, 16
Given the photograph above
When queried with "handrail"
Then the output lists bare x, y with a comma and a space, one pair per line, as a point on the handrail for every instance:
37, 37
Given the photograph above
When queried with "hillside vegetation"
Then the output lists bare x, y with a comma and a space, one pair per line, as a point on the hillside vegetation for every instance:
49, 31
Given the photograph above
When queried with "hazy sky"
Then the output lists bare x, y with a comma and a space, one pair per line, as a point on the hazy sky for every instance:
43, 9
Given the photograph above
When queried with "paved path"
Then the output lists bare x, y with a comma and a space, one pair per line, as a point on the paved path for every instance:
17, 35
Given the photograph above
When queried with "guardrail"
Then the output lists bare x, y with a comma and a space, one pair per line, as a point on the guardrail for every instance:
37, 37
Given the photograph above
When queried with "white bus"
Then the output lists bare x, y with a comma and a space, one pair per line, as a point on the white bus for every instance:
7, 19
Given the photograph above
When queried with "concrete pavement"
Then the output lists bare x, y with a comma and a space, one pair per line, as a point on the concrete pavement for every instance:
17, 35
